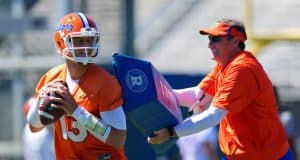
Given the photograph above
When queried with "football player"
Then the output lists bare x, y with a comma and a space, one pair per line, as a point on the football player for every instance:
94, 124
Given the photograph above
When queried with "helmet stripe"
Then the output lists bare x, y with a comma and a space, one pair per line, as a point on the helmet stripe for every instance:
84, 20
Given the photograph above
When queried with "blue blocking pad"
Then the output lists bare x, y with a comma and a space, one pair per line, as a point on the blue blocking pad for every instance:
149, 101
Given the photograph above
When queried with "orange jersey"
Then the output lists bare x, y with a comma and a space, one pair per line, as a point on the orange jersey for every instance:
97, 91
251, 130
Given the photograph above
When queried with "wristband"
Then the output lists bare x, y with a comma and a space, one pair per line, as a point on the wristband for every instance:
96, 126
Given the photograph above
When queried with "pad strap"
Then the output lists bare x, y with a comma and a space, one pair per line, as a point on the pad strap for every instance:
188, 96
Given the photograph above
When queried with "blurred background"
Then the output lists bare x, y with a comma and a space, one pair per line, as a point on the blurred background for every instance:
164, 32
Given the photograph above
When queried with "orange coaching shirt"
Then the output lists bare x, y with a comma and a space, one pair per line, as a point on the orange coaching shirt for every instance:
251, 130
97, 91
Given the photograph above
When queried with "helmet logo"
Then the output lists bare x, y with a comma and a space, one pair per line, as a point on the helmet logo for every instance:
67, 27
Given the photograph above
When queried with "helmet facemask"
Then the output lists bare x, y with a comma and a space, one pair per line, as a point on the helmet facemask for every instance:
83, 46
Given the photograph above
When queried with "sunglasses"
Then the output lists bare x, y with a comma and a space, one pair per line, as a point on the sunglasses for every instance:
214, 39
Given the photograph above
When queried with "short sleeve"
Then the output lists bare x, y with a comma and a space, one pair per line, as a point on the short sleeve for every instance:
40, 84
208, 83
237, 88
53, 74
110, 96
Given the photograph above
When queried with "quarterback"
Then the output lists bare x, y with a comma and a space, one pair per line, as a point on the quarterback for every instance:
94, 124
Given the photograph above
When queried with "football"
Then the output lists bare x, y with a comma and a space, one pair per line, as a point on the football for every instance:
49, 114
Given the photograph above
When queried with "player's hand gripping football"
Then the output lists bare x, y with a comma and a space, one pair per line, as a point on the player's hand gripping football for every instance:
43, 94
63, 99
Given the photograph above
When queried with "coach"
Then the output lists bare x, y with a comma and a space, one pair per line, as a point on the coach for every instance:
242, 101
